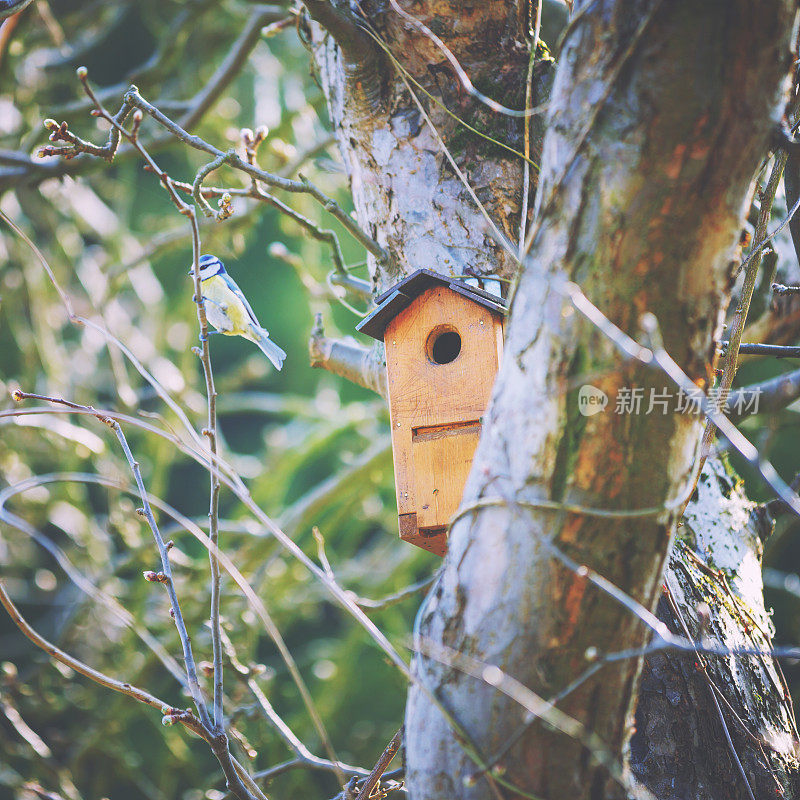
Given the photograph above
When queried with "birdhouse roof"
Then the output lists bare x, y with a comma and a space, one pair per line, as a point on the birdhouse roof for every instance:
402, 294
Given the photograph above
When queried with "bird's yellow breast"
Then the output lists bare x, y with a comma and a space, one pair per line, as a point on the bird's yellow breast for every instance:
225, 311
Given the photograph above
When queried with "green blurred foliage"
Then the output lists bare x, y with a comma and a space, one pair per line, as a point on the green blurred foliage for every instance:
312, 448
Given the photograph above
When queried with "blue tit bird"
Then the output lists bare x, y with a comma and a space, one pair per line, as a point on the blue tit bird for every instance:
228, 310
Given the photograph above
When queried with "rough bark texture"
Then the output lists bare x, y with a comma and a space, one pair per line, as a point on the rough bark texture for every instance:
405, 192
659, 116
680, 749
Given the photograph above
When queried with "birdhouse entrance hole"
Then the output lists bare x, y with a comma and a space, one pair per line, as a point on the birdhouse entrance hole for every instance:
443, 345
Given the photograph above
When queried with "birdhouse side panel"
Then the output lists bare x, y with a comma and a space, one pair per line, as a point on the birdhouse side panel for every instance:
403, 471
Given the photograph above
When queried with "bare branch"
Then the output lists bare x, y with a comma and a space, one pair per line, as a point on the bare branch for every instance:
133, 97
76, 145
170, 713
773, 395
249, 675
347, 358
357, 286
396, 597
163, 549
757, 349
751, 265
74, 574
200, 193
380, 767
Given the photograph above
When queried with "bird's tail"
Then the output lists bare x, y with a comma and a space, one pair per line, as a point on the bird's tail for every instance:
274, 353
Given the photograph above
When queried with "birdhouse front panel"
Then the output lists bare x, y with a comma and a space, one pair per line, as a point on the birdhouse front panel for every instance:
441, 459
442, 354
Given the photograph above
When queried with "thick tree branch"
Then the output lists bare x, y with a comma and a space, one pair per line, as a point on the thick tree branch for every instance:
347, 358
362, 62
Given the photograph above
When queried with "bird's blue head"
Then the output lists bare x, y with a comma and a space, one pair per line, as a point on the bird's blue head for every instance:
210, 266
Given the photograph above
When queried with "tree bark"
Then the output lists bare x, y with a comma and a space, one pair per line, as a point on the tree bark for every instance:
711, 726
658, 118
405, 191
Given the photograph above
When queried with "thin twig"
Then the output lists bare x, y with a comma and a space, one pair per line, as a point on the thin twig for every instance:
200, 193
756, 349
303, 185
197, 193
286, 733
380, 767
210, 432
396, 597
163, 550
167, 710
213, 512
77, 576
751, 265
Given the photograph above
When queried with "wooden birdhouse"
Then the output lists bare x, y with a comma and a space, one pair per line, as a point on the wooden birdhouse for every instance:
443, 341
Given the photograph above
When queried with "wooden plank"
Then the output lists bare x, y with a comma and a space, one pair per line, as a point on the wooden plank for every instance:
408, 526
440, 431
441, 465
434, 540
403, 475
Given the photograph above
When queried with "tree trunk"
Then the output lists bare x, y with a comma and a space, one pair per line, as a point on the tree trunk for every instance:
689, 704
659, 116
